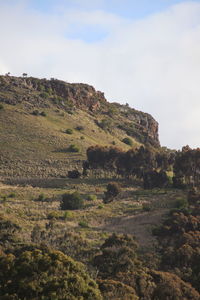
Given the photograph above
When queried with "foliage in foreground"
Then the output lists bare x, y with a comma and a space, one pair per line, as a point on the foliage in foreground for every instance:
119, 265
42, 274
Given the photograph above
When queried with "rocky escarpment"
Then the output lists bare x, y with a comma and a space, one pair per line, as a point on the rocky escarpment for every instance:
139, 125
33, 93
42, 92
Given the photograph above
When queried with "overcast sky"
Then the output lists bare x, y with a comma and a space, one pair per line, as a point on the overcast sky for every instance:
145, 53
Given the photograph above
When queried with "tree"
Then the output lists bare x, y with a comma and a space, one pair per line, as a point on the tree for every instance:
187, 167
118, 255
71, 201
113, 189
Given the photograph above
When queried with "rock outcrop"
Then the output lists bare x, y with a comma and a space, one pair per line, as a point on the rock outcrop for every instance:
40, 92
34, 93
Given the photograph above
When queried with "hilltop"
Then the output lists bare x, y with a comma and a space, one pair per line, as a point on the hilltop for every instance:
41, 118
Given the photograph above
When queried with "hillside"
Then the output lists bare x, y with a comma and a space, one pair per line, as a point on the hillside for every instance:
128, 228
41, 118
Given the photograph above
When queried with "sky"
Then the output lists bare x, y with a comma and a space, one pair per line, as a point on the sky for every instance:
144, 53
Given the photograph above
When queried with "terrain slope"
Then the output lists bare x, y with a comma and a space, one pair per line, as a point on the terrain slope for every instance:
40, 119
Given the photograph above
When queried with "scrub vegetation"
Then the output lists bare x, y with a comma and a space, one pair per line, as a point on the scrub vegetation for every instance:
113, 220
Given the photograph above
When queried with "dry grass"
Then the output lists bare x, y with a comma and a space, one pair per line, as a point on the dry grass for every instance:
36, 146
124, 215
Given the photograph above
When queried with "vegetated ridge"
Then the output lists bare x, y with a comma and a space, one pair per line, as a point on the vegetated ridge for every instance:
41, 119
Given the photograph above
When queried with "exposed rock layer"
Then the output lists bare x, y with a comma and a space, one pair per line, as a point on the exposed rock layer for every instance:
36, 93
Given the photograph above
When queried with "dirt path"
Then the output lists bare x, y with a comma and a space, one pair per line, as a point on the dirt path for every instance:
139, 225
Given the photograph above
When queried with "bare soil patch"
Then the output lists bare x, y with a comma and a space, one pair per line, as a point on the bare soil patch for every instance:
139, 225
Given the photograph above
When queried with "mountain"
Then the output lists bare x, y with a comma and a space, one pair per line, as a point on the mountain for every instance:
47, 125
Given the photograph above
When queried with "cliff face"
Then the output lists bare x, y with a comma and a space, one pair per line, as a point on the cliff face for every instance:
42, 92
139, 125
33, 93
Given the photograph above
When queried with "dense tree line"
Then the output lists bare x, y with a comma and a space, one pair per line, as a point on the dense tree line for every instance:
148, 164
144, 163
187, 167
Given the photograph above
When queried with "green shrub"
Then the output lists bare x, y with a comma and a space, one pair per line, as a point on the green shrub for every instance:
73, 148
43, 114
100, 206
113, 189
53, 215
4, 199
181, 203
82, 137
12, 195
67, 215
83, 224
49, 90
36, 112
69, 131
70, 112
127, 141
91, 197
41, 197
105, 124
44, 95
1, 106
71, 201
146, 207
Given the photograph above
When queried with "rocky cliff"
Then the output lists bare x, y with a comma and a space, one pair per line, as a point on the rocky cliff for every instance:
43, 92
34, 93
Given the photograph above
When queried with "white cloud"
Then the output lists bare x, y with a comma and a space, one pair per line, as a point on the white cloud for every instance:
153, 64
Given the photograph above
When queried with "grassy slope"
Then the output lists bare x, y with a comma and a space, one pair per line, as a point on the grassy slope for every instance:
124, 215
37, 146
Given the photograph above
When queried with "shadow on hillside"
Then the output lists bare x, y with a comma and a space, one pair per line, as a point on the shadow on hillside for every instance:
59, 182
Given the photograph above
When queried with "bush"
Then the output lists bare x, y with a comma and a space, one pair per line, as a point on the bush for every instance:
1, 106
36, 112
67, 215
74, 174
146, 207
41, 197
69, 131
83, 224
91, 197
12, 195
79, 128
53, 215
44, 95
100, 206
43, 114
113, 189
71, 201
73, 148
40, 273
127, 141
181, 203
154, 179
105, 124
